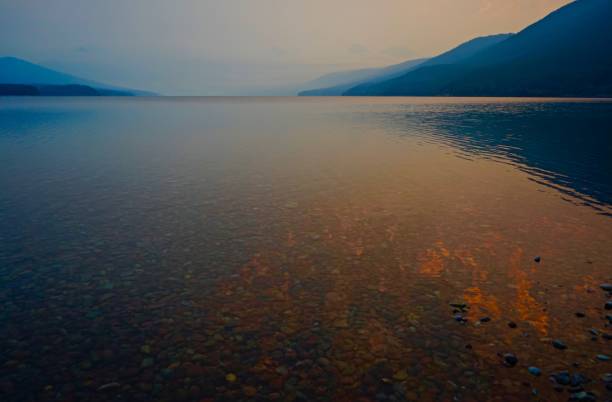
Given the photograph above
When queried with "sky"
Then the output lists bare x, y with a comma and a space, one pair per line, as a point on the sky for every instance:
244, 47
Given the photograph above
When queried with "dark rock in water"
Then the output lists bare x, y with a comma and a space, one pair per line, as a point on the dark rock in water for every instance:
606, 286
583, 396
458, 305
559, 344
510, 360
485, 319
593, 331
460, 318
512, 324
537, 259
577, 380
607, 337
603, 358
609, 318
534, 371
608, 305
561, 378
580, 314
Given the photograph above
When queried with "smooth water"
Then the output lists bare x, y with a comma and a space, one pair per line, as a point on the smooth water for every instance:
300, 249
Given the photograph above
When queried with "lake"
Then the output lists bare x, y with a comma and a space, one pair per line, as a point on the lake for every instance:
304, 249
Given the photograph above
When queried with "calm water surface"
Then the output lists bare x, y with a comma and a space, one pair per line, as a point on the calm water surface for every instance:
303, 249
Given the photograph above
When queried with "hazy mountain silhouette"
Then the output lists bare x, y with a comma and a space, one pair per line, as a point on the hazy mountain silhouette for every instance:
14, 71
422, 82
467, 49
372, 76
58, 90
334, 84
18, 90
567, 53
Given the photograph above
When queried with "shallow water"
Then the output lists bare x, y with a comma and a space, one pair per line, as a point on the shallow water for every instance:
217, 249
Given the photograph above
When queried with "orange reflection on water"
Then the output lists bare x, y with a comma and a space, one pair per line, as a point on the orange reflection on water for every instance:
478, 301
374, 287
527, 307
432, 261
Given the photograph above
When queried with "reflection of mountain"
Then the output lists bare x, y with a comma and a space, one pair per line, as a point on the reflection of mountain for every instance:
566, 146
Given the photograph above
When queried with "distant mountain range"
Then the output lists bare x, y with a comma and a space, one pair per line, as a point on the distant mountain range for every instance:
348, 79
567, 53
20, 77
335, 84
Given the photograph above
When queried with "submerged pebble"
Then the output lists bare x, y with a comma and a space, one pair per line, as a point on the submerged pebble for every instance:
577, 380
400, 375
561, 378
147, 362
461, 319
250, 391
583, 396
558, 344
110, 385
534, 371
510, 360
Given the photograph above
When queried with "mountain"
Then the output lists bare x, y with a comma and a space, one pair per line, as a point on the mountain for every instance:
18, 90
365, 77
57, 90
422, 82
430, 74
467, 49
567, 53
335, 84
14, 71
